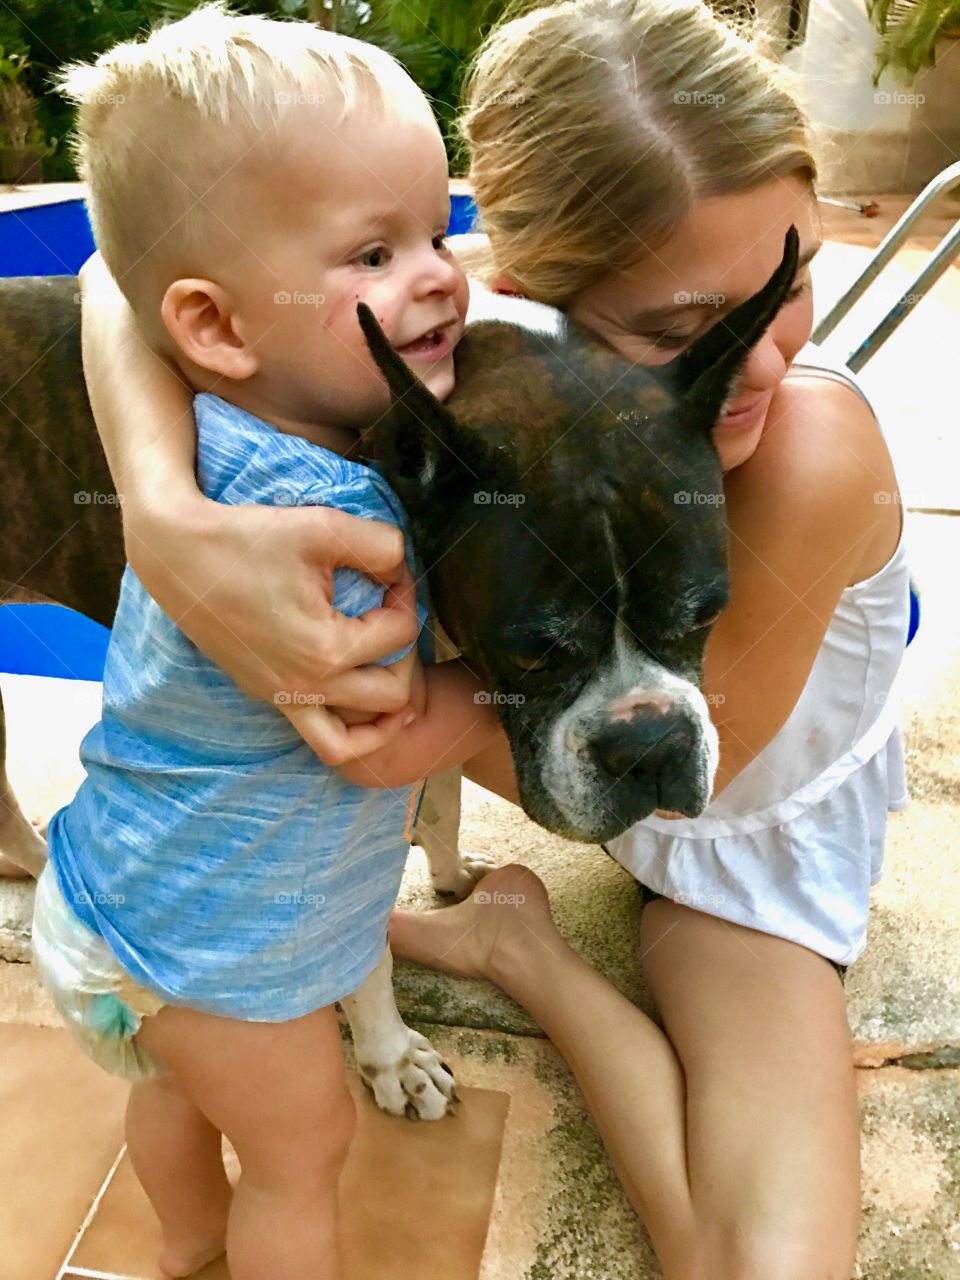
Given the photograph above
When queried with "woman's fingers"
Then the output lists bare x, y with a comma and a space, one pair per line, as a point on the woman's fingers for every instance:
372, 688
345, 643
374, 548
334, 742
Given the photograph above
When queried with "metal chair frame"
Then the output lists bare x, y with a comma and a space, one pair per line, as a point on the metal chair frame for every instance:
946, 251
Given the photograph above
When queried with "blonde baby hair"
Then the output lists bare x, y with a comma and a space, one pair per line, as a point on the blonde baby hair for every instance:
594, 125
162, 120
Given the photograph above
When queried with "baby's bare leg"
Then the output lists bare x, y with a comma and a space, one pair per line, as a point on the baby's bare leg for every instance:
176, 1153
279, 1093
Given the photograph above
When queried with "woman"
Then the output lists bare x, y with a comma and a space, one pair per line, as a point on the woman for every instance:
638, 163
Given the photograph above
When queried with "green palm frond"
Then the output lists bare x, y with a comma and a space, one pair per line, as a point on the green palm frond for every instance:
909, 33
458, 27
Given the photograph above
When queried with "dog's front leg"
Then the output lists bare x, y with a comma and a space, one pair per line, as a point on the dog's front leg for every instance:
405, 1073
438, 833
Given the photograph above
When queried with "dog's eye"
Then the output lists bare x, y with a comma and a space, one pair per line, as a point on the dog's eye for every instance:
527, 663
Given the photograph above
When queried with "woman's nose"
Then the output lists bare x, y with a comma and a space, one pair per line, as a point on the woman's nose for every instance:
765, 366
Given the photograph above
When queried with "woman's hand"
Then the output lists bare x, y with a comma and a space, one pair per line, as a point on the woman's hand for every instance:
250, 586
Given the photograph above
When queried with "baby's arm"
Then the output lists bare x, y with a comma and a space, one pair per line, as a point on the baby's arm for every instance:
803, 518
249, 585
451, 726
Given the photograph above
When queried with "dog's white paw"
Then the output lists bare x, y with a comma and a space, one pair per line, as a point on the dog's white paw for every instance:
415, 1083
461, 878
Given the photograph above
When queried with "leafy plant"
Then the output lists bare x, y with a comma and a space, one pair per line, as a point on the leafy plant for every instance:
433, 39
910, 31
18, 120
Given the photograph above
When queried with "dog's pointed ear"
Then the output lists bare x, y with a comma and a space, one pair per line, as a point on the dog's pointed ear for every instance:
420, 444
706, 370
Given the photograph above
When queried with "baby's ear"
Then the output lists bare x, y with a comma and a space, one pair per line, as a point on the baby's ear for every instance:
419, 444
196, 314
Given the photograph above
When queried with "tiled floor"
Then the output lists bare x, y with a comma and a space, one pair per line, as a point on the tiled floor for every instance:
70, 1205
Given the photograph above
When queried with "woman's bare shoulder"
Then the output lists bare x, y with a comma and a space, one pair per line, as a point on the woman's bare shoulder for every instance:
823, 464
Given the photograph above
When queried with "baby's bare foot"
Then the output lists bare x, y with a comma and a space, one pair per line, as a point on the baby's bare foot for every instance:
182, 1257
476, 938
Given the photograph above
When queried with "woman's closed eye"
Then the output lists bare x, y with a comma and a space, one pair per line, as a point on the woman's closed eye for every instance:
674, 339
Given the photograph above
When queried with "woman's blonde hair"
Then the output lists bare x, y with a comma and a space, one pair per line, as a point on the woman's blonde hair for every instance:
594, 125
162, 120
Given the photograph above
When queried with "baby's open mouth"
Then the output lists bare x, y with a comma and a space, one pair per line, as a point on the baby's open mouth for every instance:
432, 346
429, 342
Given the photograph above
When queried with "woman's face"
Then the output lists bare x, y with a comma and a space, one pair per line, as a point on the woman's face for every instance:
725, 250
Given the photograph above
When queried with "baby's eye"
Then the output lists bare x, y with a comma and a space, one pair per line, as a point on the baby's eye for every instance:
374, 257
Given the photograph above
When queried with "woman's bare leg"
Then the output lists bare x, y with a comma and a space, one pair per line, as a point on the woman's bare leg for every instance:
735, 1136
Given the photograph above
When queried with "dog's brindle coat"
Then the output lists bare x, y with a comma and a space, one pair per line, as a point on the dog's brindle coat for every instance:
566, 505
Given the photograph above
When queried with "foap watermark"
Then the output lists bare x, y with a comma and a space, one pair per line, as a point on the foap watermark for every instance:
297, 98
508, 98
715, 699
94, 498
701, 901
104, 99
486, 698
697, 498
887, 498
684, 298
299, 899
297, 298
86, 899
297, 698
898, 98
484, 498
696, 98
496, 898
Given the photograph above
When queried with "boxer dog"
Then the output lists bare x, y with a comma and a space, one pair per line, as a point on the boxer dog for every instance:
567, 506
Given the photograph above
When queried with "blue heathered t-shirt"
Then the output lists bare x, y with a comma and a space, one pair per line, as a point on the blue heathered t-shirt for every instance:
226, 867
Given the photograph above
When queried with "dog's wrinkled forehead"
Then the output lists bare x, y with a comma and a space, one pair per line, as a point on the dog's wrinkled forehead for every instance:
547, 385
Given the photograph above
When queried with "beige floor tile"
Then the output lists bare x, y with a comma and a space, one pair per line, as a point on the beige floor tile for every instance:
416, 1200
62, 1129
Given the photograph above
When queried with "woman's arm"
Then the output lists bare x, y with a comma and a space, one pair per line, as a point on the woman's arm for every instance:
250, 586
451, 725
804, 524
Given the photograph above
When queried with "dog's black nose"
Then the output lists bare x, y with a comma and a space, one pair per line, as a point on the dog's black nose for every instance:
648, 746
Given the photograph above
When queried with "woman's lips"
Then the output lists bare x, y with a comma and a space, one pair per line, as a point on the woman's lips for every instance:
748, 415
